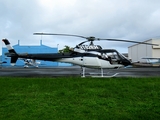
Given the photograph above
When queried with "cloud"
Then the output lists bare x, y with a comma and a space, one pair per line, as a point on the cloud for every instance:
127, 19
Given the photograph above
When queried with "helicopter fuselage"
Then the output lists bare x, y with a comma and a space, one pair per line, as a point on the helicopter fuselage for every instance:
97, 58
91, 59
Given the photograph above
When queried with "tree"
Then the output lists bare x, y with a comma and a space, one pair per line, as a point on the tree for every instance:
65, 50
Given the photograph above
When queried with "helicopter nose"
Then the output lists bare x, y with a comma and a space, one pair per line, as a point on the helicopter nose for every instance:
126, 62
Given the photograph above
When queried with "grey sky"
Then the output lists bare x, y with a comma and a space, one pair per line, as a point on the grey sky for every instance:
122, 19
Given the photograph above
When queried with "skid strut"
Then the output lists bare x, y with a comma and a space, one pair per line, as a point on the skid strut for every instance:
101, 74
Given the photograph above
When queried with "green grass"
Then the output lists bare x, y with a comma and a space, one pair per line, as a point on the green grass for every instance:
68, 98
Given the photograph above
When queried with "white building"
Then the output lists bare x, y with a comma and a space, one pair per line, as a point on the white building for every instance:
138, 51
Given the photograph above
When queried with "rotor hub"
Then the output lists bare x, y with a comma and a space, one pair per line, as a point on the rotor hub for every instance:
91, 38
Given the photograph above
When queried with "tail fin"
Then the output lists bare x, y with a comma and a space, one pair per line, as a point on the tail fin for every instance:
12, 53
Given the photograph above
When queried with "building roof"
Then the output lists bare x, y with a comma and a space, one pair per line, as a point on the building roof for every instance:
146, 41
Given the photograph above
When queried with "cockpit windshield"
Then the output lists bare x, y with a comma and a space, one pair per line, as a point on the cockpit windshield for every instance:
113, 55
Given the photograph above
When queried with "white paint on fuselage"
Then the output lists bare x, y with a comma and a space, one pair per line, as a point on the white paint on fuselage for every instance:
92, 62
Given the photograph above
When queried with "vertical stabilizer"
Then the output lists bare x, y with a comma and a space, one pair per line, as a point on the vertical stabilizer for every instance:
12, 52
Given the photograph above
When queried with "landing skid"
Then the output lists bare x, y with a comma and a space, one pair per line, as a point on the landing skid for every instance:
101, 74
107, 76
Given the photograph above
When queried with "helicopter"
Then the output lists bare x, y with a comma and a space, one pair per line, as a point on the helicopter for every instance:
86, 56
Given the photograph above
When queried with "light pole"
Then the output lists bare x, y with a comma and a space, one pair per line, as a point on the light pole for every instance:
57, 47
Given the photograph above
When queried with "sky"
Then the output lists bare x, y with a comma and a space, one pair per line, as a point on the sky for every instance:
136, 20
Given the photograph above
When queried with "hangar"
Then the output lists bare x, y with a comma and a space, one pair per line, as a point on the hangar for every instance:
32, 49
138, 51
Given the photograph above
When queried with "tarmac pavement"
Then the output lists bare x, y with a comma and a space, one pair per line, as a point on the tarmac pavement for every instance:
76, 71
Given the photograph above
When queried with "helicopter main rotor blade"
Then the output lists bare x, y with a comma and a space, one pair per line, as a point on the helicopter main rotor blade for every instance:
91, 38
94, 38
59, 35
120, 40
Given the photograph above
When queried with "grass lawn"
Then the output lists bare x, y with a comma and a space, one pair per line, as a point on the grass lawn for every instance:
74, 98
